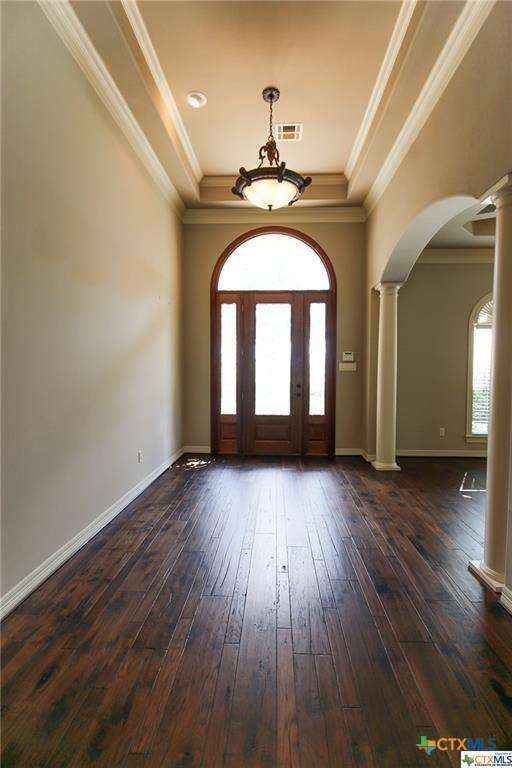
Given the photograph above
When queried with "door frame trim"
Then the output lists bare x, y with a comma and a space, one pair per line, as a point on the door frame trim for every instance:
215, 329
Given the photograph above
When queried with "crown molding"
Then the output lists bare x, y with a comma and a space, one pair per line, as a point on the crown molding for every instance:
456, 256
328, 179
464, 31
481, 227
69, 29
306, 215
319, 179
395, 43
505, 183
143, 38
327, 190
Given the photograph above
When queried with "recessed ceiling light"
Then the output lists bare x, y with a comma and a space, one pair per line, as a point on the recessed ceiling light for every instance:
196, 99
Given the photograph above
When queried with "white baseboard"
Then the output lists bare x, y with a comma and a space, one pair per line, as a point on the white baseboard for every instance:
489, 578
506, 598
370, 457
28, 584
447, 453
354, 452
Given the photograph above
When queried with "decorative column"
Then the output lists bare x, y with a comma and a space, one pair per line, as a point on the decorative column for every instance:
491, 569
506, 592
385, 459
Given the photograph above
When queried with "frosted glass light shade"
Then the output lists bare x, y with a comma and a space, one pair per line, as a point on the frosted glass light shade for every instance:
270, 193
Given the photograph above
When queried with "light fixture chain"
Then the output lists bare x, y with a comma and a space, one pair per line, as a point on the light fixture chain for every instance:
274, 185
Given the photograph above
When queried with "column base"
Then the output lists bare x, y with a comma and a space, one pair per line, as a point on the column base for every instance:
380, 467
506, 599
487, 576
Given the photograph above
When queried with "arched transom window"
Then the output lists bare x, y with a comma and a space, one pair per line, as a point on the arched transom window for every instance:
479, 368
274, 262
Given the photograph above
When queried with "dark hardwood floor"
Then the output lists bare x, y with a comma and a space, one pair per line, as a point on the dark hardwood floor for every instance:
260, 612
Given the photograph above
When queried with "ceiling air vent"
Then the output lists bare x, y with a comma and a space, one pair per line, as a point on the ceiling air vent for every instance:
289, 131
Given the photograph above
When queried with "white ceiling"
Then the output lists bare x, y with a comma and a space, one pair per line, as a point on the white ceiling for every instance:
353, 72
324, 56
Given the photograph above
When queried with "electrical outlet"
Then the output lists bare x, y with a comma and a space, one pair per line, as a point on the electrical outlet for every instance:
442, 432
139, 457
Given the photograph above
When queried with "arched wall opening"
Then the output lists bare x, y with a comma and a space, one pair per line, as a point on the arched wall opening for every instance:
420, 232
408, 248
273, 341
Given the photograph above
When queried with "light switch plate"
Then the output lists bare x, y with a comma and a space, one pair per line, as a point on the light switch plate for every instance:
347, 367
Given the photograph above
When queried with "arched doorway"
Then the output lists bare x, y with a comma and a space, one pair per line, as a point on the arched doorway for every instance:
273, 341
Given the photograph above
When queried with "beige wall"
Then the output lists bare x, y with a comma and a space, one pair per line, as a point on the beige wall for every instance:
204, 244
434, 307
90, 310
463, 149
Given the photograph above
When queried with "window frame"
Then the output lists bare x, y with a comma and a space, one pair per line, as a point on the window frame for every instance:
472, 437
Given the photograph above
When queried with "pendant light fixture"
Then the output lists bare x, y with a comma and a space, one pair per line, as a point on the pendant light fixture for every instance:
274, 185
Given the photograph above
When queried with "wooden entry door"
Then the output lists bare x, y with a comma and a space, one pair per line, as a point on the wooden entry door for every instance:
273, 368
273, 373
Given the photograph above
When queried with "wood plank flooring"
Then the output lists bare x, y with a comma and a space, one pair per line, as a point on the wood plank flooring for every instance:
266, 612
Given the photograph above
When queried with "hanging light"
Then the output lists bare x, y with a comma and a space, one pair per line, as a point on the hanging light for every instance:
274, 185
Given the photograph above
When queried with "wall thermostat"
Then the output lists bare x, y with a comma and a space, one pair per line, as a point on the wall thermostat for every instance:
348, 357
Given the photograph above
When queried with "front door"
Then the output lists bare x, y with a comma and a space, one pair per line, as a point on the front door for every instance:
273, 394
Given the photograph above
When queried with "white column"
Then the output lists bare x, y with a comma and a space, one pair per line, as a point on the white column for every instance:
506, 592
385, 459
492, 568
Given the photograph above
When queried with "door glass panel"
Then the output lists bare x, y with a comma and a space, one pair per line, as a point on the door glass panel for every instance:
228, 359
273, 359
317, 359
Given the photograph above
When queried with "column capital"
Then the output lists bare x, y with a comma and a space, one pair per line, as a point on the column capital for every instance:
501, 192
388, 289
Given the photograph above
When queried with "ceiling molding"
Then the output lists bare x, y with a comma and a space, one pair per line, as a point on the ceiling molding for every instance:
457, 256
504, 183
328, 179
481, 227
464, 31
68, 27
395, 43
327, 190
352, 215
141, 33
320, 179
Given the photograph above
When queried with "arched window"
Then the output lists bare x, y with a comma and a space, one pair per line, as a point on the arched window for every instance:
273, 262
479, 368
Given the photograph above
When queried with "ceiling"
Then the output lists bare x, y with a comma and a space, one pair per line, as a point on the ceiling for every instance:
353, 73
324, 57
465, 230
